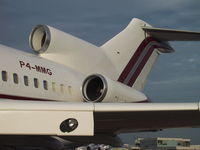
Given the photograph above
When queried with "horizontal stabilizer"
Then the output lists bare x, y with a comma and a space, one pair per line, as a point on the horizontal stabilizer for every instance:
172, 35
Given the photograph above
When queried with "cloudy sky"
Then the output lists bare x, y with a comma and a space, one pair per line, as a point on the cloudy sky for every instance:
175, 77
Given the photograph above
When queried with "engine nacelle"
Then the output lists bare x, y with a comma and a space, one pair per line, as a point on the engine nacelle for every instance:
98, 88
63, 48
46, 39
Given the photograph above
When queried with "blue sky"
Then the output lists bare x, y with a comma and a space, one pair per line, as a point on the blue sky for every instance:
175, 77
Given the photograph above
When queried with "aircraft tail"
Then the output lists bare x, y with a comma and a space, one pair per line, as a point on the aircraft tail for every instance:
133, 53
130, 54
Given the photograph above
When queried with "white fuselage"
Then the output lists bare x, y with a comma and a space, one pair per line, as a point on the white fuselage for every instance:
25, 76
63, 62
29, 77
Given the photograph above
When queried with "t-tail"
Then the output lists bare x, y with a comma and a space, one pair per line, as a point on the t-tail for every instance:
128, 57
134, 51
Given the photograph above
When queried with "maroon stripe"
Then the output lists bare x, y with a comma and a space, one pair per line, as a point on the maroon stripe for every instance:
141, 66
134, 59
144, 101
13, 97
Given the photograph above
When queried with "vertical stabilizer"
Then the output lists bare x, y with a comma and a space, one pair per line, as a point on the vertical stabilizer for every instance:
133, 53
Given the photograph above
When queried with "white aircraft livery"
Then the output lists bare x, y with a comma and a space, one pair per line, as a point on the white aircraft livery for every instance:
71, 90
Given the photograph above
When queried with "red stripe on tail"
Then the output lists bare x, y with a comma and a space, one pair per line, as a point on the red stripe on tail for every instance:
134, 58
140, 67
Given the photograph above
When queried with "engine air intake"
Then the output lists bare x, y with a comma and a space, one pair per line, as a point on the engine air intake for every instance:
40, 38
94, 88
